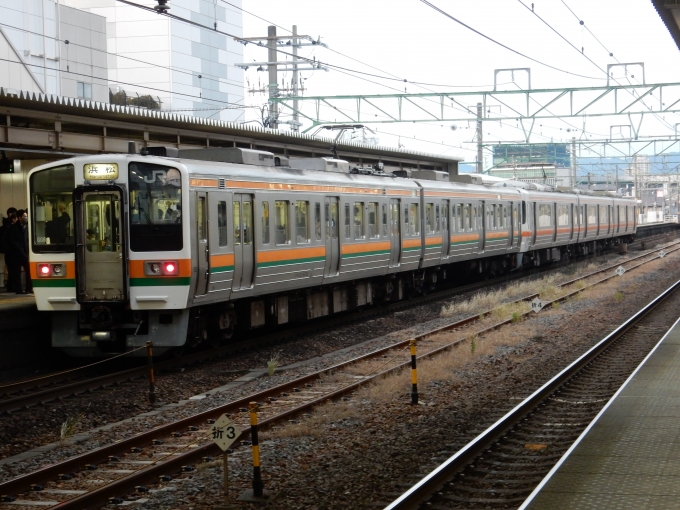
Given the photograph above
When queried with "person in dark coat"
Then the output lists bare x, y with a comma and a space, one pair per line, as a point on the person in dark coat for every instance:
7, 224
18, 245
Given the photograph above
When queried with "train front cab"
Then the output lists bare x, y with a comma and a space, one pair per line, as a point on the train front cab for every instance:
120, 239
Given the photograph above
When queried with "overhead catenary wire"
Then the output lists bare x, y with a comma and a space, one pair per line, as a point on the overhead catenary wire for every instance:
444, 13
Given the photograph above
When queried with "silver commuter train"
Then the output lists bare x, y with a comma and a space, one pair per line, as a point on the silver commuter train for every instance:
126, 249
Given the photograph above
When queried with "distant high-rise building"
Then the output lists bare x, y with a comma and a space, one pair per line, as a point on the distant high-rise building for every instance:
34, 59
163, 63
546, 163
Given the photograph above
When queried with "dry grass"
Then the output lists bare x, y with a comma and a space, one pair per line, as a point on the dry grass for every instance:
441, 369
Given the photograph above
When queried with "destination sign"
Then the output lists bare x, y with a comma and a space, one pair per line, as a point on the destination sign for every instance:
100, 171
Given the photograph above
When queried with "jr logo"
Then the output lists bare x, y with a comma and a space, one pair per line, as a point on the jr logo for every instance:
156, 175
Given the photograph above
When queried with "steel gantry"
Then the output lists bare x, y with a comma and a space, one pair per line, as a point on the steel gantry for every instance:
525, 106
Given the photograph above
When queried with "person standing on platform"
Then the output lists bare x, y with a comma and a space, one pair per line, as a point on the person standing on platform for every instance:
5, 229
19, 247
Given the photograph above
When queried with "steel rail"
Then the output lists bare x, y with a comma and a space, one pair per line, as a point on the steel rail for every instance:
101, 455
432, 482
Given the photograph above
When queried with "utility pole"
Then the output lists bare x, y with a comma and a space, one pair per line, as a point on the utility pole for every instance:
480, 140
296, 116
573, 162
289, 46
273, 78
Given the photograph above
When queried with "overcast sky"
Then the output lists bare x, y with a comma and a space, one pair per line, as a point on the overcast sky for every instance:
408, 39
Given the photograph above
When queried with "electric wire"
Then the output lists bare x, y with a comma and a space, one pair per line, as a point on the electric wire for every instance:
234, 106
444, 13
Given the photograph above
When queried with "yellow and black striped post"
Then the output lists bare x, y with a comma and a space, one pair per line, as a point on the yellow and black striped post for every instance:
152, 379
414, 374
258, 485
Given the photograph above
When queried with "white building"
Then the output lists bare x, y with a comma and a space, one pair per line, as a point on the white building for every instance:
186, 68
34, 59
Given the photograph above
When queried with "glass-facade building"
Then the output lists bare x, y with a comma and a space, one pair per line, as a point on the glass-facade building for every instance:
555, 154
184, 68
34, 56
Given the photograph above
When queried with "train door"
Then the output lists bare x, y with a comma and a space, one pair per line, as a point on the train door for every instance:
202, 245
332, 212
244, 248
446, 233
554, 219
516, 236
507, 218
100, 254
480, 225
534, 221
395, 232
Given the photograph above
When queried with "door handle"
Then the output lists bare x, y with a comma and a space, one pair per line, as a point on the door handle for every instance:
207, 273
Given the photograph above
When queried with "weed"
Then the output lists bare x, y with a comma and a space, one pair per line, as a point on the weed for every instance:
69, 427
473, 343
515, 317
618, 296
556, 305
273, 363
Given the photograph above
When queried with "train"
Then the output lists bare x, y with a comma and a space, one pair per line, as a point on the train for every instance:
184, 247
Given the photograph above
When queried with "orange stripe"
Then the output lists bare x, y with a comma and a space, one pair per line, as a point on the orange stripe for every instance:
544, 232
222, 260
291, 254
206, 183
433, 240
358, 248
136, 267
496, 235
468, 237
69, 264
300, 187
410, 243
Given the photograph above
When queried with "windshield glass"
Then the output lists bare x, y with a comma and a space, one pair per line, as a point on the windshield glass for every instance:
51, 193
155, 208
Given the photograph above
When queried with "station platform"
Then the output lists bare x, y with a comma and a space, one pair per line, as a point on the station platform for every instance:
10, 301
629, 456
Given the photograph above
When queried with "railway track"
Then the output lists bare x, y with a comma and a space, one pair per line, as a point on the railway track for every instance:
115, 470
22, 395
501, 467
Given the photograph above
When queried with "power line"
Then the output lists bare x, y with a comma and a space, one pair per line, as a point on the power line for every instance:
583, 24
170, 68
444, 13
127, 83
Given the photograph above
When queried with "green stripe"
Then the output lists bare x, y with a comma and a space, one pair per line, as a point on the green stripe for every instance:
465, 242
412, 249
160, 282
434, 245
365, 253
221, 269
65, 282
497, 238
292, 261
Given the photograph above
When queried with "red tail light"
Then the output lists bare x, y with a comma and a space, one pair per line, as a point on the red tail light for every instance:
169, 268
44, 270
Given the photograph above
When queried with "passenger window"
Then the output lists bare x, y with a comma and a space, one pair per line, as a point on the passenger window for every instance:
358, 220
429, 218
413, 220
592, 215
335, 223
563, 215
265, 222
237, 223
461, 224
317, 220
604, 219
467, 223
437, 221
473, 218
247, 223
524, 211
384, 219
348, 234
222, 223
200, 217
544, 215
281, 222
301, 222
327, 210
373, 231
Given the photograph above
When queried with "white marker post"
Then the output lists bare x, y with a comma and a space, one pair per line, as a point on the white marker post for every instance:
620, 270
224, 433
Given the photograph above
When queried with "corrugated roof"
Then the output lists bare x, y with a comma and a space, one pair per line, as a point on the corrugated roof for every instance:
663, 7
74, 106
